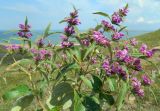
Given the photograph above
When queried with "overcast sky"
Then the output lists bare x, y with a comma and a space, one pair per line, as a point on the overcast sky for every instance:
143, 14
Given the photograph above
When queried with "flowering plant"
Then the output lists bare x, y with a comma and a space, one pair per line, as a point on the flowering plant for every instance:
94, 73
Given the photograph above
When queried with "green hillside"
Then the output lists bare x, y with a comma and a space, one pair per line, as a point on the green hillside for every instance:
152, 39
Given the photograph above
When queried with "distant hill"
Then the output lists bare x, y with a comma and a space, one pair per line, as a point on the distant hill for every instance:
152, 38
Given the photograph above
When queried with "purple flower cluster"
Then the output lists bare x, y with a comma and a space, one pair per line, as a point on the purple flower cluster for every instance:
117, 17
123, 11
41, 54
114, 68
145, 51
85, 42
24, 31
117, 36
133, 42
146, 80
107, 25
13, 47
100, 38
66, 44
136, 84
123, 56
69, 29
40, 43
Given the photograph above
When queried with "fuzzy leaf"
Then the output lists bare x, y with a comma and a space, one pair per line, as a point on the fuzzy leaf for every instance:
86, 81
102, 14
16, 92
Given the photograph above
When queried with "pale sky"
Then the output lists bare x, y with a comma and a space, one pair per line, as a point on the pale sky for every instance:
143, 14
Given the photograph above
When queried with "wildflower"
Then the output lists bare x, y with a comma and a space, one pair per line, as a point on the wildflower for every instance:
133, 42
94, 60
136, 84
121, 54
40, 43
107, 25
145, 51
106, 67
73, 21
64, 37
137, 64
69, 30
146, 80
123, 11
128, 59
143, 48
117, 36
149, 53
41, 54
116, 18
24, 27
24, 31
100, 38
13, 47
74, 14
66, 44
85, 42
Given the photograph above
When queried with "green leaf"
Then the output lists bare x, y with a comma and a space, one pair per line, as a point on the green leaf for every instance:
89, 50
78, 106
86, 81
61, 93
97, 83
65, 69
102, 14
57, 108
121, 95
138, 55
90, 104
16, 92
46, 32
98, 27
62, 21
24, 101
126, 6
122, 28
109, 98
26, 21
111, 84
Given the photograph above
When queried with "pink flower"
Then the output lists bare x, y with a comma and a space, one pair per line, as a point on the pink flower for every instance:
143, 48
133, 42
116, 18
108, 25
117, 36
100, 38
146, 80
121, 54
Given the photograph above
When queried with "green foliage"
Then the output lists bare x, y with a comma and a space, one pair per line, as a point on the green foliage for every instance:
16, 92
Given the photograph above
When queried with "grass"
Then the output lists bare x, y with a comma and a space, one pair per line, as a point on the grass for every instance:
152, 39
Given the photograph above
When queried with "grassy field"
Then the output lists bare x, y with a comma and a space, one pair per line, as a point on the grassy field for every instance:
152, 39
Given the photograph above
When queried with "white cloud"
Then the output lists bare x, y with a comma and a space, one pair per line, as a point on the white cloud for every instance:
21, 7
140, 20
141, 3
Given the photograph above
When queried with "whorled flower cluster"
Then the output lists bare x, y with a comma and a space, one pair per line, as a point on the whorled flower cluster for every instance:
100, 38
144, 50
117, 17
13, 47
69, 29
42, 54
24, 31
